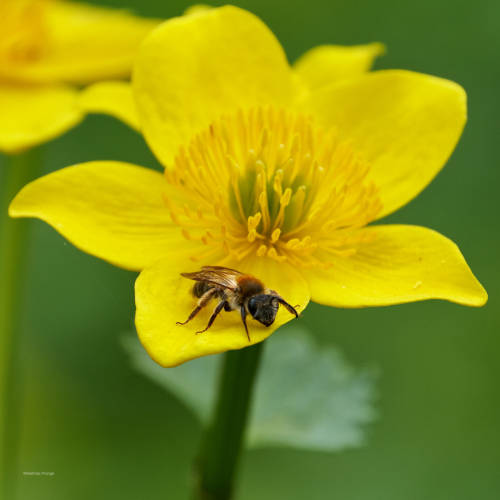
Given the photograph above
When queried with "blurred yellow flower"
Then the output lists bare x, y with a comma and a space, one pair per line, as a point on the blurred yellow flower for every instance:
47, 46
270, 170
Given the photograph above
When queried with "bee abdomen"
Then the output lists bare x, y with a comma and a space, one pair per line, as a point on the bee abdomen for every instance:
200, 287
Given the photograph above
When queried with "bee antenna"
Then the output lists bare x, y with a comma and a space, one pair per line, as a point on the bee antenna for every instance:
289, 307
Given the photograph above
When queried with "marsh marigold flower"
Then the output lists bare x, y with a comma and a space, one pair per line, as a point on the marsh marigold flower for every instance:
269, 169
48, 46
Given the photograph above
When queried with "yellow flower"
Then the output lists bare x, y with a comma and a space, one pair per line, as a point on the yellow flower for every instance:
265, 174
48, 46
320, 66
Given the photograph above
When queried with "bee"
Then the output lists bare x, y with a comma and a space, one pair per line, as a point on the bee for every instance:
235, 291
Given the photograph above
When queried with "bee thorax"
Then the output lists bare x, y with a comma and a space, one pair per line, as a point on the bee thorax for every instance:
233, 301
249, 285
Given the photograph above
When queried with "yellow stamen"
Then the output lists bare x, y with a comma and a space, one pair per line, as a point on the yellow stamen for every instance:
269, 183
275, 236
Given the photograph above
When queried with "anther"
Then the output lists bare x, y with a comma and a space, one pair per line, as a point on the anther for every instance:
275, 236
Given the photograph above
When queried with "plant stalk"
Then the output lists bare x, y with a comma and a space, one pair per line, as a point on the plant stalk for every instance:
19, 170
224, 438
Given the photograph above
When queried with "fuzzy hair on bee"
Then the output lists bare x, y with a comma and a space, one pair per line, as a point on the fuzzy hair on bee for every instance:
235, 291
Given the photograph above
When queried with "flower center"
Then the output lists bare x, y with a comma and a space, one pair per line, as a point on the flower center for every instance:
23, 33
271, 183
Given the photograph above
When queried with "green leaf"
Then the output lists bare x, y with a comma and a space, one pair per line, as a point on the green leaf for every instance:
306, 396
192, 382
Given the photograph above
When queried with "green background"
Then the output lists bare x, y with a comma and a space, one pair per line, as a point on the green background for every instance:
108, 433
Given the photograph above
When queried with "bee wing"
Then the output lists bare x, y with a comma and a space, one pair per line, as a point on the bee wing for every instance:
220, 276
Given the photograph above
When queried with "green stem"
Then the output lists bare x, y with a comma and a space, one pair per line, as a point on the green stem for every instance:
224, 438
19, 170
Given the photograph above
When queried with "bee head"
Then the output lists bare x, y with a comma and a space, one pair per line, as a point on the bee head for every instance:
263, 308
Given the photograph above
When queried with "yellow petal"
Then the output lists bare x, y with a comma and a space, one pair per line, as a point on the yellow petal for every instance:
163, 297
112, 210
197, 9
33, 115
398, 264
85, 43
405, 124
111, 98
194, 68
327, 64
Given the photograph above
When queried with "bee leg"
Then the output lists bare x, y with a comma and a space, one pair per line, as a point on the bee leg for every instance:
201, 304
217, 310
244, 319
195, 311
